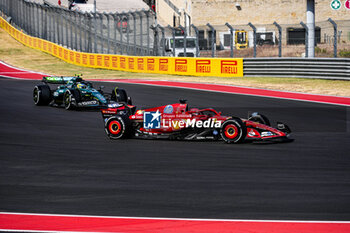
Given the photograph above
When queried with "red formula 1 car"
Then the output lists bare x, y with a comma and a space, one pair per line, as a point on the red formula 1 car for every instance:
177, 121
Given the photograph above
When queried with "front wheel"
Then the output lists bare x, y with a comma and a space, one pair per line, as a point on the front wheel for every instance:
70, 99
115, 128
233, 131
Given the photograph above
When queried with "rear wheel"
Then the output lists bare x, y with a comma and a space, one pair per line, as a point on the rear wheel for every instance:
119, 95
42, 95
233, 131
115, 128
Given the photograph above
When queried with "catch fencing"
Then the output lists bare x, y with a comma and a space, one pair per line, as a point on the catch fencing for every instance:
220, 67
272, 40
137, 33
106, 33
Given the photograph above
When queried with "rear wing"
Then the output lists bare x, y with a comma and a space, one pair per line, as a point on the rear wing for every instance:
60, 79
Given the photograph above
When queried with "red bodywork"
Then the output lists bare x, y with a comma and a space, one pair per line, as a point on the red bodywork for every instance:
170, 121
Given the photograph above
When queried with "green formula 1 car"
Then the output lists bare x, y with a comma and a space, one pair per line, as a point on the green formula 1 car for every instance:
74, 92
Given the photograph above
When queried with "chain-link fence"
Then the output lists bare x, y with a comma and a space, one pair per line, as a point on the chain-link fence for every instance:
119, 33
136, 33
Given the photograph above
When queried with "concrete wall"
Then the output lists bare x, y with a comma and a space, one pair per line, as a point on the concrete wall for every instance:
166, 14
261, 11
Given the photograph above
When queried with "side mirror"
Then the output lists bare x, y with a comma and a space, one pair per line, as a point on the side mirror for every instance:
102, 87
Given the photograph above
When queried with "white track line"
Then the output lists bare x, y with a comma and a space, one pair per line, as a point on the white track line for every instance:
175, 219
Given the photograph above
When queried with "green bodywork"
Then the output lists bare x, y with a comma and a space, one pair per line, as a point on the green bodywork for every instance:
87, 97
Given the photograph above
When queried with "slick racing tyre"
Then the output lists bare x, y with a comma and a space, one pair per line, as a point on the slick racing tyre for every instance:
233, 131
119, 95
70, 99
42, 95
260, 118
115, 128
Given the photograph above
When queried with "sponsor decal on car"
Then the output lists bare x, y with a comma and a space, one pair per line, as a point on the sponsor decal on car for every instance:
86, 103
266, 134
155, 120
194, 123
114, 105
151, 120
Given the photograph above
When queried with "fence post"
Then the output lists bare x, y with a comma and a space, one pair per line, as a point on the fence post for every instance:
115, 20
45, 22
53, 24
71, 30
162, 40
197, 39
34, 30
42, 21
155, 43
37, 17
120, 19
335, 36
81, 28
254, 36
148, 36
25, 16
67, 26
173, 37
76, 16
141, 31
19, 10
101, 31
58, 22
185, 40
108, 33
279, 38
134, 19
14, 10
88, 45
128, 34
95, 32
310, 22
49, 23
306, 39
31, 10
212, 40
30, 21
231, 38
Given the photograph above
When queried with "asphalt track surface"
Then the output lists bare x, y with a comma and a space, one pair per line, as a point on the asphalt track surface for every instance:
58, 161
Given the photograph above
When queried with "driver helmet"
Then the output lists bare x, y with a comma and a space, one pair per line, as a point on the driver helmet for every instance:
81, 86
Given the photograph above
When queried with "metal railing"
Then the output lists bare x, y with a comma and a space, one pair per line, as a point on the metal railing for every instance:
328, 68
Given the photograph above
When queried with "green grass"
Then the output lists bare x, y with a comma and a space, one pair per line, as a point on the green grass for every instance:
10, 51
